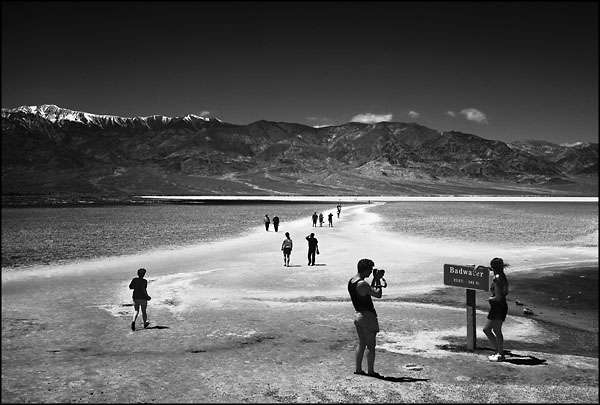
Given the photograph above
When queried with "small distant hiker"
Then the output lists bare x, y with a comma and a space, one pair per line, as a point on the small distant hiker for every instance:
267, 222
314, 218
286, 246
339, 209
321, 219
330, 219
498, 309
140, 297
276, 222
313, 247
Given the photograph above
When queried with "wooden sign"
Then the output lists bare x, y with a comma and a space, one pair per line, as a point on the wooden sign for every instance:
467, 276
470, 278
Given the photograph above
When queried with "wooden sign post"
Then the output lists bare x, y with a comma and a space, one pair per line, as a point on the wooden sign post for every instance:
470, 278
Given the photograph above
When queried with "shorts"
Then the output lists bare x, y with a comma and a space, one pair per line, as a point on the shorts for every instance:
137, 302
287, 251
366, 321
498, 311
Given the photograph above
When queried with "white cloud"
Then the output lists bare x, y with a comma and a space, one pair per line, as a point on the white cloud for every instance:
473, 114
413, 114
370, 118
451, 113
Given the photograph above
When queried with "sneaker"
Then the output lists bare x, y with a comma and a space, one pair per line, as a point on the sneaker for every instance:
132, 325
146, 324
496, 357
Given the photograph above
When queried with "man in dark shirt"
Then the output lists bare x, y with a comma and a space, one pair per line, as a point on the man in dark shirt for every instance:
365, 318
276, 222
314, 218
140, 297
313, 247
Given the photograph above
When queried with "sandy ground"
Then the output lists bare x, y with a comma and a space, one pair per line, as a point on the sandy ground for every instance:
231, 324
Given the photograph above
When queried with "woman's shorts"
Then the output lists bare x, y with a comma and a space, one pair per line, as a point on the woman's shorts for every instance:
287, 251
138, 302
498, 311
366, 321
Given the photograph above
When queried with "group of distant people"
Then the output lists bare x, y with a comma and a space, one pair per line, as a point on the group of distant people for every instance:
139, 284
321, 218
287, 244
267, 221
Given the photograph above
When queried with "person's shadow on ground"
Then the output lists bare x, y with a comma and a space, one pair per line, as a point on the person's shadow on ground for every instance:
157, 327
319, 264
520, 360
294, 265
509, 357
399, 379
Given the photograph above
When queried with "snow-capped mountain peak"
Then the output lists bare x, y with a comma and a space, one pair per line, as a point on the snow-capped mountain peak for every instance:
56, 114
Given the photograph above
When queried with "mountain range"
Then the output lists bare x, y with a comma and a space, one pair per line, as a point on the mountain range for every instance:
53, 155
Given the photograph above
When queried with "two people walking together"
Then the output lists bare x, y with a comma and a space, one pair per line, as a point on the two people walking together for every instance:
267, 222
287, 245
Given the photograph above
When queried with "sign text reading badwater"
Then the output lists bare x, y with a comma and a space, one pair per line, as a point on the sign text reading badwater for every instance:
467, 276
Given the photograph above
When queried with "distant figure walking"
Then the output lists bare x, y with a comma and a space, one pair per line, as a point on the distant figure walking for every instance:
313, 247
498, 309
140, 297
339, 209
365, 318
330, 219
314, 218
276, 222
286, 246
321, 219
267, 222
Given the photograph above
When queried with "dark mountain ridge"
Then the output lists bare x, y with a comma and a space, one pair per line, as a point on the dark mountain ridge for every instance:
47, 150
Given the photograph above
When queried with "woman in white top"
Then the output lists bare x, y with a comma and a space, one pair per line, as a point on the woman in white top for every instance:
286, 246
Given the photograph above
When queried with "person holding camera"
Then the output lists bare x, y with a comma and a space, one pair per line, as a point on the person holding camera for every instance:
498, 309
365, 318
313, 247
140, 297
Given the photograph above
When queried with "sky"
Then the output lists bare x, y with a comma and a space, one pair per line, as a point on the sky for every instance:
501, 70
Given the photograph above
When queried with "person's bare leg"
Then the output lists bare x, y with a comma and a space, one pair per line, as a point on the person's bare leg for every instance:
371, 353
136, 308
144, 314
360, 351
136, 312
488, 332
499, 337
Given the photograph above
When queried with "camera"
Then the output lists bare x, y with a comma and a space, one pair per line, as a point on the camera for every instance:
378, 278
378, 273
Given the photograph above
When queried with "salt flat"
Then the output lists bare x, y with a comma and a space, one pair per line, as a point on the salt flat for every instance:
231, 323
